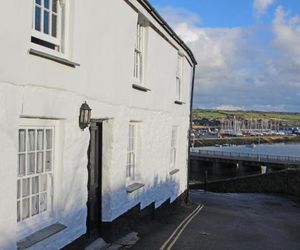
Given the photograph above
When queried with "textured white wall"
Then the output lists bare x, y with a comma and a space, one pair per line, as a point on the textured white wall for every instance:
102, 42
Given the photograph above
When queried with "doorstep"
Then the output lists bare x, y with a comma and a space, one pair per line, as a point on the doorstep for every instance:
125, 242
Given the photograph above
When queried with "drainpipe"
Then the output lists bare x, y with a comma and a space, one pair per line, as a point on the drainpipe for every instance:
189, 134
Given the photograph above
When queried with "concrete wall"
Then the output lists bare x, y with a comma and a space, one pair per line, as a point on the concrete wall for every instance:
102, 37
281, 182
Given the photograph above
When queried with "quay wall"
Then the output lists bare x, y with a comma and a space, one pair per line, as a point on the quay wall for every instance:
245, 140
281, 182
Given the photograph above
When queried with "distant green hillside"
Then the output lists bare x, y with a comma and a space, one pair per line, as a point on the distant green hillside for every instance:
291, 119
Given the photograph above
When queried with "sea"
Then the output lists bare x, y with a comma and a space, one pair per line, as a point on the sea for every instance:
278, 149
198, 169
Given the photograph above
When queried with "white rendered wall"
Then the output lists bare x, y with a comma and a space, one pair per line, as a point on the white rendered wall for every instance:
102, 40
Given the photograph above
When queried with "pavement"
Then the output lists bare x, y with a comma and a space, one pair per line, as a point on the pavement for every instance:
227, 221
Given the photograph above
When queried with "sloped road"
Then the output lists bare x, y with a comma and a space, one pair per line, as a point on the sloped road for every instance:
242, 221
229, 221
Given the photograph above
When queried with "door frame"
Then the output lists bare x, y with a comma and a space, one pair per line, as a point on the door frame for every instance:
94, 202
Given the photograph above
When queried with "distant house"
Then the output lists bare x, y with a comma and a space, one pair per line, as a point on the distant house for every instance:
60, 182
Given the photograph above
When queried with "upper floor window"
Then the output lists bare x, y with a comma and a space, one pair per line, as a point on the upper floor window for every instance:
139, 54
49, 19
179, 72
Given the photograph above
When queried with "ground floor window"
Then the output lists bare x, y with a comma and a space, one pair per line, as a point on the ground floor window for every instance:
173, 153
34, 171
132, 150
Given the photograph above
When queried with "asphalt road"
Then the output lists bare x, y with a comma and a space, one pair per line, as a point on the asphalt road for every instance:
229, 221
242, 221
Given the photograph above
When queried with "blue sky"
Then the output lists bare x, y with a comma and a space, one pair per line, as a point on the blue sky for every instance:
248, 51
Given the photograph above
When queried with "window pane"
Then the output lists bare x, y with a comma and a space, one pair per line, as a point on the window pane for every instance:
18, 211
37, 19
54, 6
31, 140
140, 65
48, 166
178, 89
46, 22
21, 168
22, 140
46, 4
40, 162
54, 25
38, 2
18, 189
35, 205
43, 185
35, 185
25, 187
40, 139
25, 208
43, 202
31, 163
48, 138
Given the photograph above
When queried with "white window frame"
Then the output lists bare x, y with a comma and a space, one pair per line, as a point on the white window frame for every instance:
179, 74
174, 147
50, 216
133, 152
139, 55
61, 40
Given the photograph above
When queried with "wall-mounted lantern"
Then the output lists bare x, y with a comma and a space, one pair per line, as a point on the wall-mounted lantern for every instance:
84, 116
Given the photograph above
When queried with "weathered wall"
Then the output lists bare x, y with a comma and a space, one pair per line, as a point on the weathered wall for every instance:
281, 182
102, 37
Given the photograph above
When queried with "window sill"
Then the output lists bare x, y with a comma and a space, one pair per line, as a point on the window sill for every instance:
174, 171
40, 235
140, 87
53, 58
179, 102
133, 187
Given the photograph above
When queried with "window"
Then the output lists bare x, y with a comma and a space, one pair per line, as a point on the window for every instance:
34, 171
132, 151
48, 24
139, 54
173, 147
179, 78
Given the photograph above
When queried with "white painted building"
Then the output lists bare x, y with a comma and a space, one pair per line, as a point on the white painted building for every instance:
136, 76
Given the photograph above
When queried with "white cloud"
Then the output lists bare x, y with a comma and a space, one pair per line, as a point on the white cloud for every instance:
287, 34
239, 70
260, 6
179, 15
186, 33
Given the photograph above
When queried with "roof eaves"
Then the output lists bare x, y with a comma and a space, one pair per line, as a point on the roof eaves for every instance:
152, 11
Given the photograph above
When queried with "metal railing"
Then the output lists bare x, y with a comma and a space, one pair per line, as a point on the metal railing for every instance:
245, 156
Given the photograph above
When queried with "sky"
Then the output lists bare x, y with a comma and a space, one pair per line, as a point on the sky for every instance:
248, 51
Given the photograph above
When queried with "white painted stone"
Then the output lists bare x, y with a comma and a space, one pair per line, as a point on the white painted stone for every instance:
102, 38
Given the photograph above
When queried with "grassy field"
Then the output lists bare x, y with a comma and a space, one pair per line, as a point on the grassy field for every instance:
290, 119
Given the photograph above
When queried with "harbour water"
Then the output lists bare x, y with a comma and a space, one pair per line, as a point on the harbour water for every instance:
279, 149
200, 169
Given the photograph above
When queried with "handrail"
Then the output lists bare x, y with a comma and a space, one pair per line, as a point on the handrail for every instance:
259, 157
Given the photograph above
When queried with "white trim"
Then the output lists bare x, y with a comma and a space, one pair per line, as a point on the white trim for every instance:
141, 50
136, 151
174, 148
179, 78
61, 41
44, 219
138, 72
49, 51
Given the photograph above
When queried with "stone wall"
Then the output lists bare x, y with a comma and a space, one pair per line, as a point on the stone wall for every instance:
281, 182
